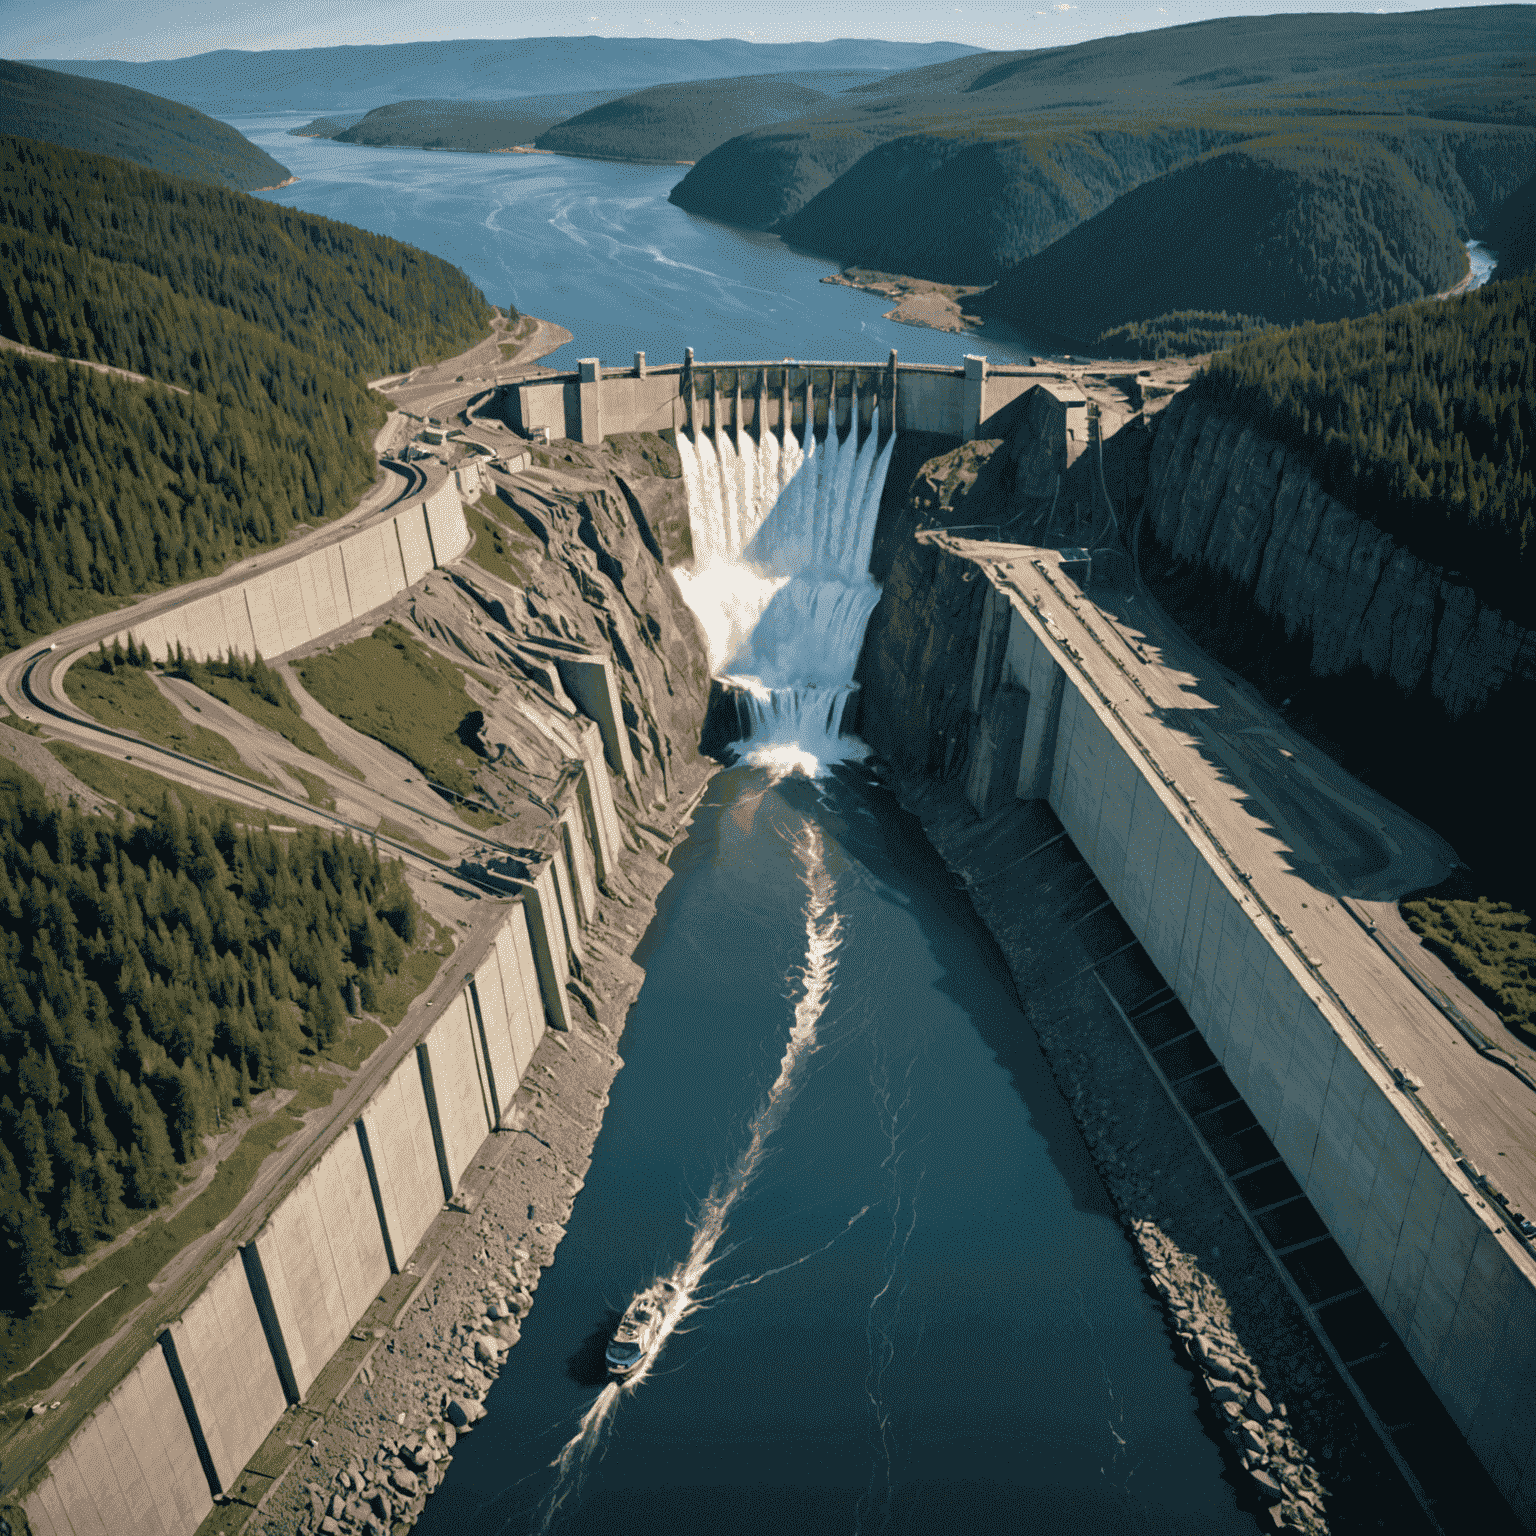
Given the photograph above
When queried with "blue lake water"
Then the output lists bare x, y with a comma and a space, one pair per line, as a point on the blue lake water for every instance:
596, 247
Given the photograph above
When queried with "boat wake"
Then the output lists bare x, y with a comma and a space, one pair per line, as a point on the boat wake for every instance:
687, 1293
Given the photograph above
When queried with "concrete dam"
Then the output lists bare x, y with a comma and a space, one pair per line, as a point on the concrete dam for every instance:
1021, 689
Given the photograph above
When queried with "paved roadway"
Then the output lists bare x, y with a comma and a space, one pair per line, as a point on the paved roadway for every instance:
1320, 848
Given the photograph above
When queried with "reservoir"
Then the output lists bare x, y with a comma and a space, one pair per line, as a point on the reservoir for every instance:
909, 1306
596, 247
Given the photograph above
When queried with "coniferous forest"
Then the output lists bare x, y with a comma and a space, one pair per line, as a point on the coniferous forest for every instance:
153, 976
1420, 419
259, 326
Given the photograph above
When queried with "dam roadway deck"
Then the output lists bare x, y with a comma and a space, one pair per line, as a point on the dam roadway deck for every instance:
1247, 862
1319, 848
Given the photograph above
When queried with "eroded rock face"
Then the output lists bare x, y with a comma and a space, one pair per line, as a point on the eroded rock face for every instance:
1223, 496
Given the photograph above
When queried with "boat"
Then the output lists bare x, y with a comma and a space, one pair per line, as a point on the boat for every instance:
639, 1328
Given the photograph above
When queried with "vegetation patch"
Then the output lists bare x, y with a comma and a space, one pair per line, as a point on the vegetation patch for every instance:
164, 135
314, 786
154, 976
117, 691
1491, 945
140, 792
505, 549
393, 688
260, 694
1185, 333
393, 829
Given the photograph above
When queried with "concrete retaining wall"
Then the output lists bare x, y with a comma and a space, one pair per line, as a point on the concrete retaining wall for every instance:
322, 1255
131, 1467
450, 1056
400, 1144
1450, 1282
218, 1340
277, 612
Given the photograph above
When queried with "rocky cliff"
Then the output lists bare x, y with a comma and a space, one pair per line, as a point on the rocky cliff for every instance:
1222, 496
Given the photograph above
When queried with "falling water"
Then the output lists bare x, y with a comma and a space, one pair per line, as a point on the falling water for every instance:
780, 581
822, 935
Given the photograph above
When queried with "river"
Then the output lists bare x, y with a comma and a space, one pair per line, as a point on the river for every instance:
910, 1305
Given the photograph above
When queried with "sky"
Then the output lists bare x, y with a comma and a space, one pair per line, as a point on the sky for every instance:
170, 29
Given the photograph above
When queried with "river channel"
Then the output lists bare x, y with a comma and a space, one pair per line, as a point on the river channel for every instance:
922, 1315
913, 1307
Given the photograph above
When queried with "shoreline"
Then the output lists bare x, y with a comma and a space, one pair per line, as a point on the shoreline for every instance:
930, 305
384, 1439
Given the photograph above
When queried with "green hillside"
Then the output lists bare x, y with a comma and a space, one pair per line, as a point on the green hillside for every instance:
1512, 231
130, 125
1308, 225
1422, 419
153, 976
469, 125
264, 322
674, 123
959, 171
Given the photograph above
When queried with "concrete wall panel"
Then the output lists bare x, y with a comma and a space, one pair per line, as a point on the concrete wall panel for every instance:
547, 933
415, 547
323, 1256
1446, 1267
1331, 1185
292, 621
520, 980
445, 518
370, 581
219, 1340
1476, 1330
456, 1079
1313, 1048
501, 1055
1274, 1004
131, 1467
1144, 840
202, 631
579, 851
1169, 932
237, 621
303, 574
336, 568
264, 621
1427, 1191
404, 1159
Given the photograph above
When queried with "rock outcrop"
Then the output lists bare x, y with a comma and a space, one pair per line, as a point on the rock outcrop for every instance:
1223, 496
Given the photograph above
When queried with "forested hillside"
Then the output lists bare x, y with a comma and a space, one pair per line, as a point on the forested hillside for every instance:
685, 122
472, 125
960, 171
1512, 232
130, 125
1305, 225
1423, 419
266, 323
153, 976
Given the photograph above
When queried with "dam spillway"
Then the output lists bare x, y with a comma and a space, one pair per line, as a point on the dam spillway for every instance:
782, 537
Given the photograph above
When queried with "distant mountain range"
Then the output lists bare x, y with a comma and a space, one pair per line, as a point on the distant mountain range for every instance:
349, 79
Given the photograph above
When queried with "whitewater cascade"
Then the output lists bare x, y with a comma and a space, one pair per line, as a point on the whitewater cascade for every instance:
782, 537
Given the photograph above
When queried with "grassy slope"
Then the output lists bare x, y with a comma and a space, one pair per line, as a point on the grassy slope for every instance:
391, 687
130, 125
126, 700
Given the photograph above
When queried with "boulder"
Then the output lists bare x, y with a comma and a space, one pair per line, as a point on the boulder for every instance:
463, 1411
1266, 1484
405, 1481
1253, 1440
1260, 1406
